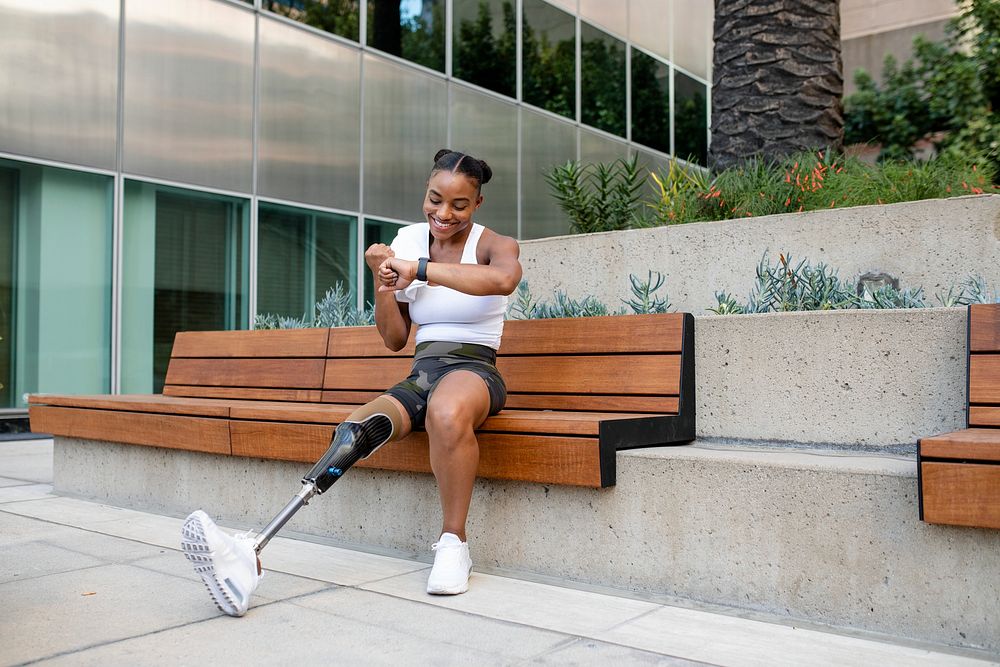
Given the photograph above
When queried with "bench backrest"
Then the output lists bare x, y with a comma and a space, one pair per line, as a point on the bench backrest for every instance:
984, 365
627, 363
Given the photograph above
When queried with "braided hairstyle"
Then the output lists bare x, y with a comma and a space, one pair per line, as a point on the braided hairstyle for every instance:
474, 169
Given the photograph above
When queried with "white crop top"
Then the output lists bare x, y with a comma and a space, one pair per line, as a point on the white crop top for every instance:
442, 313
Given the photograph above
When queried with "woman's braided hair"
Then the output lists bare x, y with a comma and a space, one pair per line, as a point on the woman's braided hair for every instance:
470, 167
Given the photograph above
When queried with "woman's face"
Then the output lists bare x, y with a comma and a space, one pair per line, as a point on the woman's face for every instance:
449, 203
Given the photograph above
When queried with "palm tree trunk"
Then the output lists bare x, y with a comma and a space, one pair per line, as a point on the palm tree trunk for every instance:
778, 79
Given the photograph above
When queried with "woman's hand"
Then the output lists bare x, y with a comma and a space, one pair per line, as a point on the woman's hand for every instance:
376, 254
395, 274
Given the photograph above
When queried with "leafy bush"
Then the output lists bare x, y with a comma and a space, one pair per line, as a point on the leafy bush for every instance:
600, 197
947, 93
787, 287
337, 308
643, 302
802, 182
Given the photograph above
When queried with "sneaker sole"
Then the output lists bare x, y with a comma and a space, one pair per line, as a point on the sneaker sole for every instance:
457, 590
196, 550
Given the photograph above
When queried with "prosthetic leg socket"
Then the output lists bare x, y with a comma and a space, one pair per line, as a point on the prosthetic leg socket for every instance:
352, 442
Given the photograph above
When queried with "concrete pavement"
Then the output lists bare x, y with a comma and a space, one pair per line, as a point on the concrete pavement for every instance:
83, 583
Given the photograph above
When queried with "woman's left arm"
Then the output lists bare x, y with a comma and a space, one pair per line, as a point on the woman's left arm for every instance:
500, 275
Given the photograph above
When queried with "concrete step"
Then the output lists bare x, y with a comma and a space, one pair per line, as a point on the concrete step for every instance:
829, 536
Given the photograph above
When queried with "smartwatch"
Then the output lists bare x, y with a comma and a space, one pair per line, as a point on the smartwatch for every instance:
422, 268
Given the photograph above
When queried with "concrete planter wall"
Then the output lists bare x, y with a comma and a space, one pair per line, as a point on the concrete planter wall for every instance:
933, 244
855, 378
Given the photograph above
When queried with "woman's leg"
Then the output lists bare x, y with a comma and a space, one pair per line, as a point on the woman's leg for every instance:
459, 403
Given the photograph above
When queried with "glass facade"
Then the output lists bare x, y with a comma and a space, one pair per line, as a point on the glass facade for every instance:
410, 29
185, 268
301, 254
55, 281
209, 160
484, 44
548, 53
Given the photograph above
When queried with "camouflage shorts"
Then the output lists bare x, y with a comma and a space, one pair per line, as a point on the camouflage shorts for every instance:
432, 361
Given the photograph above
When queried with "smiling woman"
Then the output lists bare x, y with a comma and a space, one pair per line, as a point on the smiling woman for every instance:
451, 277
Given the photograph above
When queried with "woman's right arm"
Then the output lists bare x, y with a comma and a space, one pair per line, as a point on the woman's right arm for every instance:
391, 317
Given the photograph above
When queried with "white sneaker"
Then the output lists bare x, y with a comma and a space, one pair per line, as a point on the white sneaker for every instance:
452, 566
227, 564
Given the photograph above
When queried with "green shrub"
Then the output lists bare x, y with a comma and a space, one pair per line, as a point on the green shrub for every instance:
788, 287
600, 197
337, 308
643, 301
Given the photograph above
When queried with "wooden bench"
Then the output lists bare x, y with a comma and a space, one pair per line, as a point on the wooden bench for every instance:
578, 390
959, 472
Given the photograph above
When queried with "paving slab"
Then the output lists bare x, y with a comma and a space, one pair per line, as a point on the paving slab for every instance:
593, 652
281, 633
743, 642
28, 460
71, 611
510, 641
564, 610
24, 491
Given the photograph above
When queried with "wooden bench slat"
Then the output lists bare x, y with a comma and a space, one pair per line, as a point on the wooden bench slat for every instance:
252, 373
625, 334
516, 421
246, 393
981, 415
198, 434
984, 327
598, 374
961, 494
659, 333
587, 403
139, 403
555, 460
226, 344
984, 378
981, 444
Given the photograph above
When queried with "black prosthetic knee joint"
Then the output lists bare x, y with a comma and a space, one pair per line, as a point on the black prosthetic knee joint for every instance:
352, 441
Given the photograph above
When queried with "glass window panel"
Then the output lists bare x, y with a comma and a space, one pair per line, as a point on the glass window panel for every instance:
690, 119
376, 231
59, 80
184, 268
611, 15
339, 17
55, 282
487, 128
405, 125
300, 255
649, 25
650, 101
310, 119
411, 29
484, 49
596, 147
602, 73
693, 36
189, 76
548, 52
545, 143
568, 5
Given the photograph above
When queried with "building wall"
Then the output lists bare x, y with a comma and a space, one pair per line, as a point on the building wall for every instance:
200, 123
872, 29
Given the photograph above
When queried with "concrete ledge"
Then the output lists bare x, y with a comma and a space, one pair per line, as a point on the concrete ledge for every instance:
933, 244
855, 378
826, 536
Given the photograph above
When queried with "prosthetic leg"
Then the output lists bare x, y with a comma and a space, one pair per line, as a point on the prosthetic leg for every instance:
352, 441
229, 565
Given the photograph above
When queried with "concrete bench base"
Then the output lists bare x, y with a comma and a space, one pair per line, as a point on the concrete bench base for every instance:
818, 535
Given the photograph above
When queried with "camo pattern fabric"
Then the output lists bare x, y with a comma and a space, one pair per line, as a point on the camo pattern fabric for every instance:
435, 359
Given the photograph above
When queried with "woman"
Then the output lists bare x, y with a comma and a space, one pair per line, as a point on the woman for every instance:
451, 277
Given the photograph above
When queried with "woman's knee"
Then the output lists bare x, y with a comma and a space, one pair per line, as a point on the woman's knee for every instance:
447, 418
